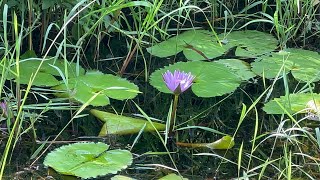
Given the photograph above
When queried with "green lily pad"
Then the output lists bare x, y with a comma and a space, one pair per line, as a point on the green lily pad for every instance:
120, 177
46, 74
250, 43
120, 125
191, 43
173, 177
211, 78
296, 103
87, 160
241, 68
303, 64
84, 87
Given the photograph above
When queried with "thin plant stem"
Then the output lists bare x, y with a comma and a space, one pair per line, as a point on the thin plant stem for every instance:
173, 114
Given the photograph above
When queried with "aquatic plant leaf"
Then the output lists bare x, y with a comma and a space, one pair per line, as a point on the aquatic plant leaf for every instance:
87, 160
46, 74
172, 177
192, 43
82, 88
117, 124
241, 68
303, 64
226, 142
250, 43
212, 78
120, 177
294, 103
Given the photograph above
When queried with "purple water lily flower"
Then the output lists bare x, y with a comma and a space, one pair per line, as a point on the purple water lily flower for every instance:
178, 82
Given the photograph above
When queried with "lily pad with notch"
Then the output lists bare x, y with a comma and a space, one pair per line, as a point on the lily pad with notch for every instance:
195, 44
88, 160
47, 73
211, 78
83, 88
250, 43
303, 64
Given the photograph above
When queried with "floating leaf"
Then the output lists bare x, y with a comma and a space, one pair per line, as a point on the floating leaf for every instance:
117, 124
250, 42
172, 177
241, 68
294, 103
212, 78
303, 64
84, 87
192, 43
226, 142
47, 72
87, 160
120, 177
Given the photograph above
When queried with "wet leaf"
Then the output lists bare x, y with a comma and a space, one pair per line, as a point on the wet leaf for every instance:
117, 124
87, 160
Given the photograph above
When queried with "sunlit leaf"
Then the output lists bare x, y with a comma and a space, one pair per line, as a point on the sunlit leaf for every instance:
172, 177
87, 160
294, 103
241, 68
192, 43
250, 43
84, 87
226, 142
303, 64
117, 124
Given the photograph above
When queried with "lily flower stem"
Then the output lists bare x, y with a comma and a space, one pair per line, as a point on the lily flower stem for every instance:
173, 115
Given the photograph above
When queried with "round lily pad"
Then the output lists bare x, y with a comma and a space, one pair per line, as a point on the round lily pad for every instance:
294, 103
47, 72
192, 43
250, 43
211, 78
241, 68
83, 88
303, 64
87, 160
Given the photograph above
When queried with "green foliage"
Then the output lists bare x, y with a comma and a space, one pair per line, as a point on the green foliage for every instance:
250, 43
294, 103
240, 68
87, 160
303, 64
120, 177
211, 78
226, 142
48, 71
201, 45
189, 42
84, 87
120, 125
173, 177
